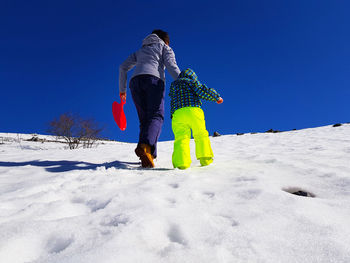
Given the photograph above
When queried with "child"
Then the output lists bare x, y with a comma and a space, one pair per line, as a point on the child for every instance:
186, 113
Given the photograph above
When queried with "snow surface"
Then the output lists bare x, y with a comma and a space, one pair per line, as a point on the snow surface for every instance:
97, 205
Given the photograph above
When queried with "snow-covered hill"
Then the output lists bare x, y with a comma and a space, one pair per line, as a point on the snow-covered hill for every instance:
97, 205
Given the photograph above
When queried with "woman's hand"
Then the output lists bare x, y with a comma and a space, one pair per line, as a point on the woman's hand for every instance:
122, 96
220, 100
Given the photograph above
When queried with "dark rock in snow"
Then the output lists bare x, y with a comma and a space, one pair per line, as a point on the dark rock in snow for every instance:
301, 193
337, 125
239, 133
298, 191
35, 138
272, 131
216, 134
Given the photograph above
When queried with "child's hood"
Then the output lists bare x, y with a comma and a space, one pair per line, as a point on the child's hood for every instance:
188, 73
151, 39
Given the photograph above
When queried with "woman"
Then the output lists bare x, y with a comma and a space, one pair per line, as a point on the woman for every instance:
147, 87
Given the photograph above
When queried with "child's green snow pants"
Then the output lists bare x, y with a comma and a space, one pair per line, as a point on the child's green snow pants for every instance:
184, 120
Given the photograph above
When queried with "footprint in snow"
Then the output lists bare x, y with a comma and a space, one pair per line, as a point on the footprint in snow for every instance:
58, 244
327, 175
270, 160
250, 194
174, 185
171, 201
244, 179
115, 221
210, 195
96, 205
231, 221
175, 235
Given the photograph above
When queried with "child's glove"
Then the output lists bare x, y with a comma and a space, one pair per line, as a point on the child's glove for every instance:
220, 100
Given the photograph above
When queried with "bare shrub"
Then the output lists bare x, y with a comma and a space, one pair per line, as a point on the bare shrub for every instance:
75, 130
90, 132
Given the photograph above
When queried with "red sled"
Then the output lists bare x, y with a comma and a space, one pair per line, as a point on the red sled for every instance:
119, 115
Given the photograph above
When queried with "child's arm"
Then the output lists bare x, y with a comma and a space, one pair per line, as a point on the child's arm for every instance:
204, 92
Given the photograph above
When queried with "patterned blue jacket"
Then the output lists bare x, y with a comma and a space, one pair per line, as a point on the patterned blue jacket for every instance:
187, 91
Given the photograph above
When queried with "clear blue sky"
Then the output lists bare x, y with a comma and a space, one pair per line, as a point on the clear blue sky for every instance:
277, 64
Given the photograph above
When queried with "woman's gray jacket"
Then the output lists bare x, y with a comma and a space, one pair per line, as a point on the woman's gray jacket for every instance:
151, 58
